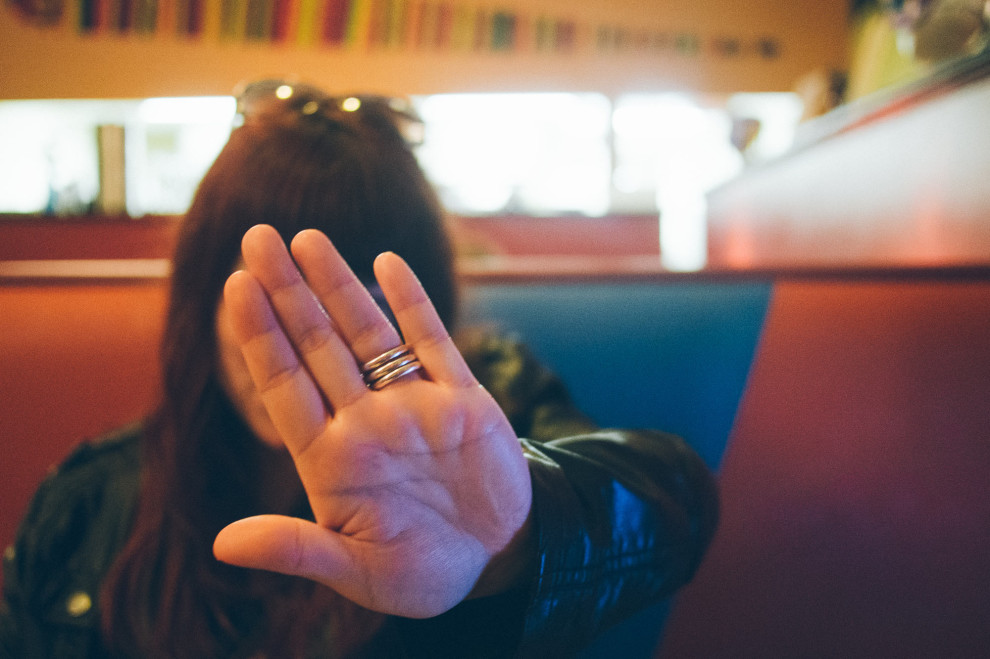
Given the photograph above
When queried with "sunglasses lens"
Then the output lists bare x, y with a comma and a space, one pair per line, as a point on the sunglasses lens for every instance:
275, 97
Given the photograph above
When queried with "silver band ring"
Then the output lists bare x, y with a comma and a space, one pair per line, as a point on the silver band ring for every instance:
392, 376
389, 366
385, 357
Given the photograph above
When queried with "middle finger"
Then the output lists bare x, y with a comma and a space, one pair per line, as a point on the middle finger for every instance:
314, 338
358, 318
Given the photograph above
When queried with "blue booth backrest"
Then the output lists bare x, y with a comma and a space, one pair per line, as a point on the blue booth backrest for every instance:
671, 354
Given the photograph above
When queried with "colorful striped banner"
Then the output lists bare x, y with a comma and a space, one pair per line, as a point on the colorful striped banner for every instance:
687, 44
166, 17
482, 30
122, 14
434, 25
414, 18
190, 18
566, 35
258, 19
462, 28
445, 25
545, 34
376, 24
768, 48
428, 21
146, 16
282, 16
524, 34
233, 18
727, 46
89, 15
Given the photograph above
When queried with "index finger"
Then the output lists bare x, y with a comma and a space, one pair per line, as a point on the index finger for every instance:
290, 396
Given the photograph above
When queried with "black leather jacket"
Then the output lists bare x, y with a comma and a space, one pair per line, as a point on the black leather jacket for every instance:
623, 519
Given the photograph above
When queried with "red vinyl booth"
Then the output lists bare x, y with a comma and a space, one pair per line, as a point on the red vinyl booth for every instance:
855, 488
855, 496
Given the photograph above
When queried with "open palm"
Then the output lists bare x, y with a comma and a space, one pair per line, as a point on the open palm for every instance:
416, 489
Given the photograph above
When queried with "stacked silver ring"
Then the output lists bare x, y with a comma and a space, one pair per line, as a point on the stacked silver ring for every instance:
389, 366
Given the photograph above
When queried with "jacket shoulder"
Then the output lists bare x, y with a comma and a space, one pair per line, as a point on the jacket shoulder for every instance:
534, 398
74, 526
106, 452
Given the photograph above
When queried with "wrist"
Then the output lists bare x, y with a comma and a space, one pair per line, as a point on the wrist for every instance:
511, 566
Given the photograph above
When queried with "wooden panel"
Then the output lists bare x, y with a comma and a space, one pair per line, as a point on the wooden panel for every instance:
617, 235
906, 188
43, 238
153, 237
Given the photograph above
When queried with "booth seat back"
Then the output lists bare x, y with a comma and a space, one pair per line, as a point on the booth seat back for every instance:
77, 360
671, 354
855, 498
856, 486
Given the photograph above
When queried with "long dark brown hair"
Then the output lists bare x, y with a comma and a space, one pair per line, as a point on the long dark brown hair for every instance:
166, 595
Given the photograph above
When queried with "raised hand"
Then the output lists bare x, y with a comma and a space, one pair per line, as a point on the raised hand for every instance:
417, 489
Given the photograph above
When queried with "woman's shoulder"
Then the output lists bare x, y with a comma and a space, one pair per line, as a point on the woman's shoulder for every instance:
533, 397
97, 473
74, 526
485, 343
499, 359
111, 452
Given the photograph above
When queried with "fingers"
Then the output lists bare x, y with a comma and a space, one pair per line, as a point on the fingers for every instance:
327, 358
293, 402
420, 324
359, 330
357, 316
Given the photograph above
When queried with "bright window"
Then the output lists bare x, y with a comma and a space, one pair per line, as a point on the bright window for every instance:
532, 154
50, 159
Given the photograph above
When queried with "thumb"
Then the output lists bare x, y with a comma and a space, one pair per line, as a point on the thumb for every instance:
283, 544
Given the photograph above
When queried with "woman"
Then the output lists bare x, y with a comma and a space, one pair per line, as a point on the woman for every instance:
355, 509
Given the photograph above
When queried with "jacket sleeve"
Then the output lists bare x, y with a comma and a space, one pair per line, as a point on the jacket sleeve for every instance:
622, 517
623, 520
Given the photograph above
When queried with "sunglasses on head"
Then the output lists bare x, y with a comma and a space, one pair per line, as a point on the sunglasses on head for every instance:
266, 99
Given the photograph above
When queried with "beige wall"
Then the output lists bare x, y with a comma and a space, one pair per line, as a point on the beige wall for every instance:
60, 61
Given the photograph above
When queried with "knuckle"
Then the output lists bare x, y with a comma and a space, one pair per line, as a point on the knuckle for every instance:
280, 377
313, 338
